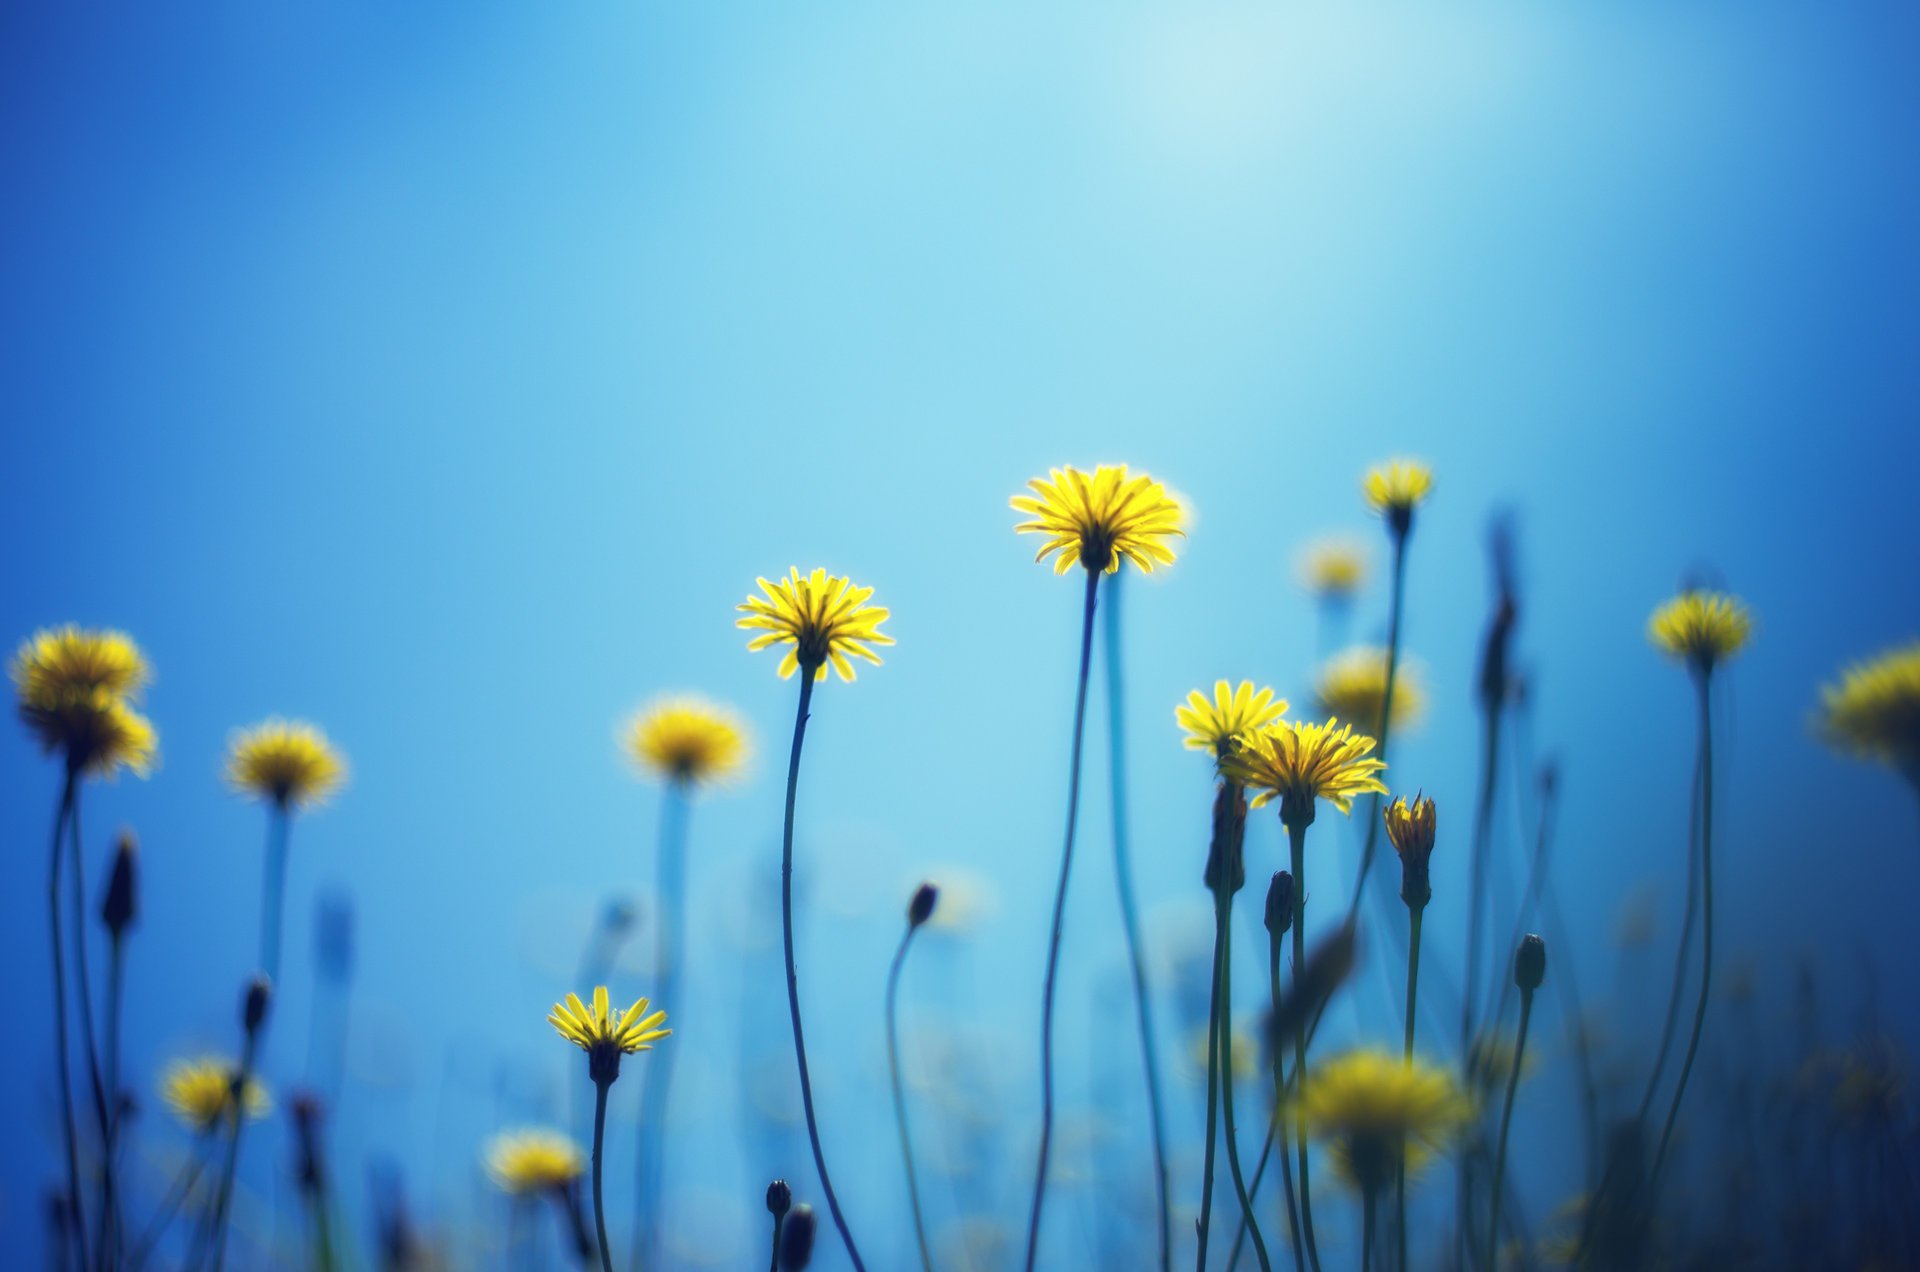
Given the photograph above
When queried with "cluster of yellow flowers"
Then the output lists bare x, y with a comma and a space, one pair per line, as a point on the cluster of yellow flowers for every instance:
77, 693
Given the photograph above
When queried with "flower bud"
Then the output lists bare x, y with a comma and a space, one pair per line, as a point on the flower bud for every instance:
1530, 963
796, 1238
253, 1012
1280, 903
779, 1198
1410, 828
1226, 862
920, 909
122, 903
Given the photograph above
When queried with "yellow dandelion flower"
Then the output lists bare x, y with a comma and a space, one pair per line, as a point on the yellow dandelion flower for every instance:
1333, 569
1701, 627
1367, 1103
99, 733
75, 689
606, 1035
1233, 712
687, 739
286, 761
58, 662
1394, 489
1874, 712
534, 1160
823, 616
200, 1093
1096, 519
1352, 685
1299, 762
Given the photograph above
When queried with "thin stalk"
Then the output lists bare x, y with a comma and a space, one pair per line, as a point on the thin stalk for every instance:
899, 1095
1225, 1028
273, 889
793, 977
1366, 1230
1213, 1079
669, 929
1059, 917
1506, 1126
1706, 929
1476, 922
1681, 956
1276, 1129
1386, 720
76, 1206
103, 1119
223, 1199
773, 1261
116, 996
1415, 916
1297, 844
1130, 917
177, 1193
599, 1199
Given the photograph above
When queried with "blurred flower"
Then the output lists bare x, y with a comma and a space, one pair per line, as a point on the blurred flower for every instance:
1701, 627
824, 617
1410, 829
1333, 569
1394, 489
1095, 520
1213, 726
1366, 1104
687, 739
1870, 1083
58, 662
533, 1160
1352, 685
1298, 761
287, 761
200, 1092
1490, 1060
604, 1035
1874, 712
1243, 1055
99, 733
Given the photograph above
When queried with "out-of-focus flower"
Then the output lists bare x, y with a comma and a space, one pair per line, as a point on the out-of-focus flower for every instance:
1352, 685
1333, 569
1702, 628
1298, 762
1394, 489
287, 761
1490, 1060
823, 616
1096, 519
533, 1160
76, 690
1874, 712
687, 739
200, 1092
1232, 713
1367, 1103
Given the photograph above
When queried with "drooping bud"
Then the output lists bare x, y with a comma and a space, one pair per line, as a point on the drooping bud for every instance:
796, 1238
253, 1011
1280, 904
1410, 828
121, 906
1226, 862
920, 908
1530, 963
779, 1198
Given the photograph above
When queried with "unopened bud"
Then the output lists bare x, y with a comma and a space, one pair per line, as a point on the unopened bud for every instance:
920, 909
1530, 963
1410, 828
122, 902
254, 1011
779, 1198
1280, 903
796, 1238
1226, 861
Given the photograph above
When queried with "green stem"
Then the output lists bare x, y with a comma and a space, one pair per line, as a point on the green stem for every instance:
899, 1095
669, 928
599, 1202
1681, 955
773, 1261
807, 672
1297, 845
1506, 1125
1276, 1129
177, 1193
103, 1119
1130, 917
116, 996
1225, 1028
1706, 930
1415, 916
1059, 917
1213, 1079
273, 889
1386, 721
237, 1113
76, 1206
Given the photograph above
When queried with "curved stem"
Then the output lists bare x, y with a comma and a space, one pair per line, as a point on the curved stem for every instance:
899, 1095
793, 978
1130, 917
1213, 1081
1415, 915
236, 1112
1386, 720
1297, 844
1706, 931
1225, 1028
1276, 1129
1506, 1126
773, 1261
103, 1118
669, 928
76, 1206
177, 1193
1059, 917
599, 1202
1682, 955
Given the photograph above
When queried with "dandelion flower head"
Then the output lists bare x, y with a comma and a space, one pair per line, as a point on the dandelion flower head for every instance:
1394, 489
606, 1035
200, 1092
1366, 1103
534, 1160
687, 739
1333, 569
75, 691
1702, 627
1096, 519
1298, 762
823, 616
1874, 712
1234, 711
58, 661
287, 761
1353, 686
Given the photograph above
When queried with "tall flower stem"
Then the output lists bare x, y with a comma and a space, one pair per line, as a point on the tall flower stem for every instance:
177, 1193
899, 1095
96, 1088
1213, 1082
1367, 1208
600, 1088
273, 889
1470, 988
76, 1205
1706, 927
1386, 719
1059, 917
1277, 1128
236, 1112
1682, 954
1224, 1029
1130, 916
1297, 846
793, 977
1415, 916
1506, 1126
669, 949
111, 1237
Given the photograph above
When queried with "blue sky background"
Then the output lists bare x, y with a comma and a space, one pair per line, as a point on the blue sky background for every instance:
445, 378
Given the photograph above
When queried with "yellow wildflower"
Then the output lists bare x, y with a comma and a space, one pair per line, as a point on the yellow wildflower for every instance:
824, 617
1874, 712
1701, 627
287, 761
1333, 569
1394, 489
1367, 1103
1095, 520
1353, 686
606, 1035
75, 691
534, 1160
1299, 762
1233, 712
200, 1092
687, 739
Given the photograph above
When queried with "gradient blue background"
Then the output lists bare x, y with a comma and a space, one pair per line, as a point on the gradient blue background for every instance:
446, 376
